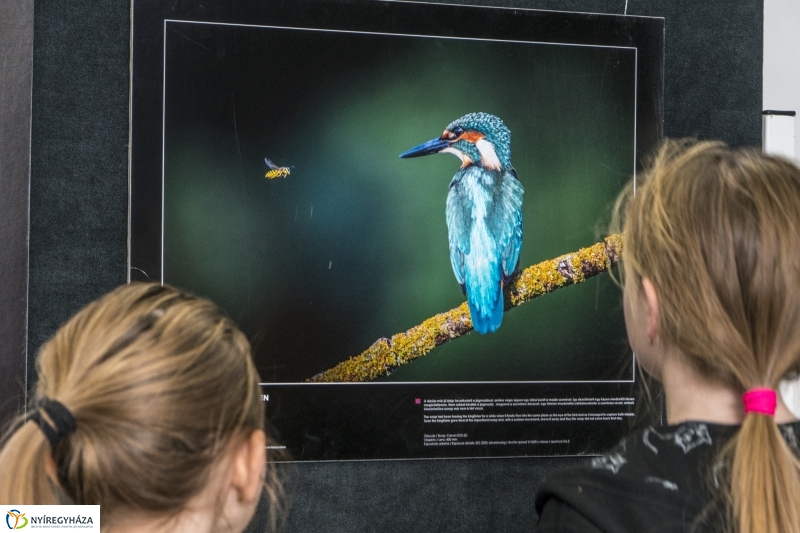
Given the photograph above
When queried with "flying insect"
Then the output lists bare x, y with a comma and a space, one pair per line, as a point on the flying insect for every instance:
275, 171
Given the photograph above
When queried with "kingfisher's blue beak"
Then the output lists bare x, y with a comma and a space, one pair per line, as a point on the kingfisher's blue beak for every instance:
431, 147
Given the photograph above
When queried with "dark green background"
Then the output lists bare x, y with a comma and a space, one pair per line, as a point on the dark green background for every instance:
352, 246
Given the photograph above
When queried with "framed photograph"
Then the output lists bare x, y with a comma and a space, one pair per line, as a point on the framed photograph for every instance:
276, 168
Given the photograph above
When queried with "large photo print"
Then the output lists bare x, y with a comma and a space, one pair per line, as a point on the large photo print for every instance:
333, 187
351, 243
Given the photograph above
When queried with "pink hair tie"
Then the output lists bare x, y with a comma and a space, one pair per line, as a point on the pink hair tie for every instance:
761, 400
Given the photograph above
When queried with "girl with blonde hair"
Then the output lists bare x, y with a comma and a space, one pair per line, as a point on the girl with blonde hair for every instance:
148, 405
711, 271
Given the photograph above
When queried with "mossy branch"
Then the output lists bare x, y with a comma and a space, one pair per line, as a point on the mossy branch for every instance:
387, 354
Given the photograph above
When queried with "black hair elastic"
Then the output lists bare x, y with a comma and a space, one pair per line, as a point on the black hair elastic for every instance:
63, 421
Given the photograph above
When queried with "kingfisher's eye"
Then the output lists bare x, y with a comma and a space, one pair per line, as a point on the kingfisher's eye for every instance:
458, 131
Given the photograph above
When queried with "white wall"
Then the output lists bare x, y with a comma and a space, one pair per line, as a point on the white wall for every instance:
782, 58
782, 93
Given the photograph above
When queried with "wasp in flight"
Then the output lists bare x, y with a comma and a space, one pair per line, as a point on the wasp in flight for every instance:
275, 171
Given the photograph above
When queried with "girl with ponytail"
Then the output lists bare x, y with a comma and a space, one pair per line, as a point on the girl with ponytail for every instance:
148, 405
711, 274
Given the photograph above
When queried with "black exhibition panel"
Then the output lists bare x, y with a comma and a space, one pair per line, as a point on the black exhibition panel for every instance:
79, 224
311, 263
16, 44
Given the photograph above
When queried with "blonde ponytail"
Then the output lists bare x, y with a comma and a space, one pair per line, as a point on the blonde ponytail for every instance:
24, 480
764, 486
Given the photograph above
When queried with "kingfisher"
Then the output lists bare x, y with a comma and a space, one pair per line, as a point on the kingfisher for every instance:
484, 212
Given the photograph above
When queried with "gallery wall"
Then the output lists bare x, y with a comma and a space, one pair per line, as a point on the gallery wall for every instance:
782, 65
78, 229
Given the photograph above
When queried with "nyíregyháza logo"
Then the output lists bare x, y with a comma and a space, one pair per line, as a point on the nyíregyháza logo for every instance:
19, 520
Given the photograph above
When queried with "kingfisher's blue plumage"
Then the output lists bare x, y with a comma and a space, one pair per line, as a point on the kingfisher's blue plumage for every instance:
484, 212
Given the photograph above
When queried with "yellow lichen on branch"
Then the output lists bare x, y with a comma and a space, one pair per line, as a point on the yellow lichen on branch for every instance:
387, 354
568, 269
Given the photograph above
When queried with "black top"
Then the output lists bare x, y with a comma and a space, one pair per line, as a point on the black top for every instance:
663, 479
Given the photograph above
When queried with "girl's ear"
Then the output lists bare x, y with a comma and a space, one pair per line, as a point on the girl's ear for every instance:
245, 480
248, 467
652, 310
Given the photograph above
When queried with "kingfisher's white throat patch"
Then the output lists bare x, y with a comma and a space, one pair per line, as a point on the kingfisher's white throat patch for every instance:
465, 159
488, 155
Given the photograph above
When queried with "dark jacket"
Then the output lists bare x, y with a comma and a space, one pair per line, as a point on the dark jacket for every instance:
658, 480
